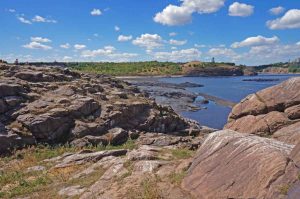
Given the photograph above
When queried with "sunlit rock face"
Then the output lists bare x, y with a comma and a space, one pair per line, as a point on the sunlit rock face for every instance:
238, 165
270, 112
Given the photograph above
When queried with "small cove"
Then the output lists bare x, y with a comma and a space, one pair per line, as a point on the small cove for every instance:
228, 88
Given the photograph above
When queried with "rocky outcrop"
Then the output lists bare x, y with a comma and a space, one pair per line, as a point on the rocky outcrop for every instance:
249, 71
214, 71
289, 134
268, 111
234, 165
55, 105
276, 70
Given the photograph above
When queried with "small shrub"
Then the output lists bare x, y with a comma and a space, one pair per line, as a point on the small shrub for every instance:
284, 189
176, 178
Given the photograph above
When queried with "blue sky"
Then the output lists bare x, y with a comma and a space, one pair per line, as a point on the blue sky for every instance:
246, 31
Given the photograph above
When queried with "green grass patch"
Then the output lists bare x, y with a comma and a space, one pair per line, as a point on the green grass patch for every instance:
130, 144
22, 184
176, 178
181, 153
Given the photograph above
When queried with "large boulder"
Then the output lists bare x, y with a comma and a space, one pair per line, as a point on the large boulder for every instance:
10, 89
46, 127
289, 134
267, 111
10, 141
236, 165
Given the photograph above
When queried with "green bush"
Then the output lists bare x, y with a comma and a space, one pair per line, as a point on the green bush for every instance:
294, 69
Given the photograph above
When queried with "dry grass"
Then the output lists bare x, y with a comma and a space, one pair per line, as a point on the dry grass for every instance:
176, 154
176, 178
65, 173
88, 180
16, 181
148, 189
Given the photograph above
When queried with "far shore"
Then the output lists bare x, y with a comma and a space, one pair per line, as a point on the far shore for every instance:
176, 76
148, 76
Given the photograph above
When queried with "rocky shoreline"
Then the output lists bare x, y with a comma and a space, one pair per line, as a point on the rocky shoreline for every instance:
175, 95
54, 105
74, 135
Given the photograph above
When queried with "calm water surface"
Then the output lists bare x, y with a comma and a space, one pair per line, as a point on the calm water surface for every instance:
229, 88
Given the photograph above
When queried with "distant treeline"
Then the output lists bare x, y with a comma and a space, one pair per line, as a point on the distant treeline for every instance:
142, 68
292, 67
129, 68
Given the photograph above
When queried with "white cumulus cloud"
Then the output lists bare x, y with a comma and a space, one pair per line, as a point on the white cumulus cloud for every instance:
173, 15
177, 42
256, 41
277, 10
203, 6
79, 46
290, 20
107, 50
117, 28
96, 12
40, 39
108, 53
37, 45
199, 45
123, 38
65, 46
172, 34
240, 10
274, 53
222, 52
178, 55
11, 10
41, 19
148, 41
23, 20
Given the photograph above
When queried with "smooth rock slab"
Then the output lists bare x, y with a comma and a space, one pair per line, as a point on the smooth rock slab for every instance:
142, 153
36, 168
289, 134
72, 191
236, 165
147, 166
80, 158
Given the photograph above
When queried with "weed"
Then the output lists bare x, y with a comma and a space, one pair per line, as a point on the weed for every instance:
27, 185
89, 179
181, 153
148, 190
176, 178
284, 189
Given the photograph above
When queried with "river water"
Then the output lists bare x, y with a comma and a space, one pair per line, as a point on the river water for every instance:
229, 88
